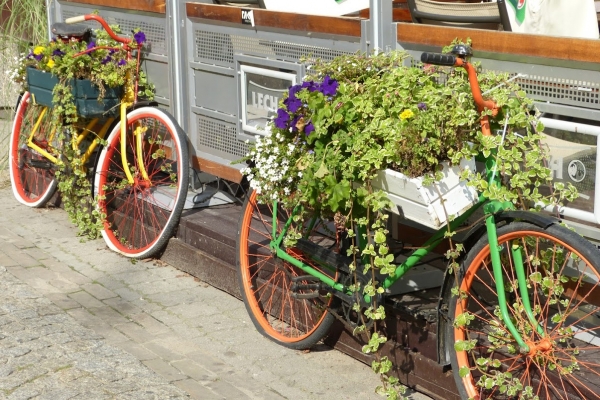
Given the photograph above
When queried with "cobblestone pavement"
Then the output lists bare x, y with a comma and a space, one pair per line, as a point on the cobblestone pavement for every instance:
78, 321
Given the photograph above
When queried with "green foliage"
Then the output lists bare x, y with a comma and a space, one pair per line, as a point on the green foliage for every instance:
359, 114
26, 22
104, 62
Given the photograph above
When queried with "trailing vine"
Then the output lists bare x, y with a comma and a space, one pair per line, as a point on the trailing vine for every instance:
103, 62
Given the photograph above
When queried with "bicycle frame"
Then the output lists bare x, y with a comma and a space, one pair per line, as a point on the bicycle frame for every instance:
490, 209
78, 138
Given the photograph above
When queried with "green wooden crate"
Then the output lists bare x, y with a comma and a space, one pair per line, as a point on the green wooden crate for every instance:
86, 94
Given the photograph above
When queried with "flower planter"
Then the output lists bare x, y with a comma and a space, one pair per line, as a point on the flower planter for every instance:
41, 84
423, 204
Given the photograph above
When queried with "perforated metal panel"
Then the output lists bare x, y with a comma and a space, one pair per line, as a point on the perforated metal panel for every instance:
214, 50
220, 47
562, 91
153, 27
214, 134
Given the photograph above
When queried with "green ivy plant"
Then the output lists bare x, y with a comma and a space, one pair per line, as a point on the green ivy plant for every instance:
104, 62
359, 114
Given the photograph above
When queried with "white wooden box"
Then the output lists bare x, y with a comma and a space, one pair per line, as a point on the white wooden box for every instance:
423, 204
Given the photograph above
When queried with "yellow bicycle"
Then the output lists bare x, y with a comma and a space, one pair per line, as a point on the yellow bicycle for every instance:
140, 175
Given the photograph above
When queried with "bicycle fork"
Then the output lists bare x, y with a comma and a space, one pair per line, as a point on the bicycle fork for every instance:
516, 252
138, 136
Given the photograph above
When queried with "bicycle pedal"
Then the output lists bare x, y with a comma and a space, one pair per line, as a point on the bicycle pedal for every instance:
310, 289
304, 296
40, 164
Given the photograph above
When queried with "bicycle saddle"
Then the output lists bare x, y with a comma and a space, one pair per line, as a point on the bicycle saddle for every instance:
63, 30
462, 51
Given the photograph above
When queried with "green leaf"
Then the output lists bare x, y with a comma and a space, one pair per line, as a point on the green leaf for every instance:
322, 171
464, 371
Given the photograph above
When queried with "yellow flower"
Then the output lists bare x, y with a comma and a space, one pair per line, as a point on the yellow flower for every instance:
38, 50
50, 63
406, 114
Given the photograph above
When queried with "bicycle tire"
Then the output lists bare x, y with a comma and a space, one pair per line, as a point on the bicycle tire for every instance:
560, 364
140, 218
266, 282
32, 175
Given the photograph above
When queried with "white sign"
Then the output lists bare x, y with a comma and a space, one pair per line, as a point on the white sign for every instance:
261, 90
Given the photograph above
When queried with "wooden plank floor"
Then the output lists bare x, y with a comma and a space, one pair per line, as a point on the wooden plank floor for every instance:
205, 247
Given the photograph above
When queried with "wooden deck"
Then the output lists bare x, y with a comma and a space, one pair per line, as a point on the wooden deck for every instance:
205, 247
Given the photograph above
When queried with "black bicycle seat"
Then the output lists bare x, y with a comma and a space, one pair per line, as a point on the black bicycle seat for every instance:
70, 30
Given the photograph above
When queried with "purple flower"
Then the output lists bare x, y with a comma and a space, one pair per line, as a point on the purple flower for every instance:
294, 89
106, 60
30, 55
310, 85
90, 46
121, 63
422, 106
329, 86
38, 57
139, 37
292, 103
282, 119
309, 128
58, 53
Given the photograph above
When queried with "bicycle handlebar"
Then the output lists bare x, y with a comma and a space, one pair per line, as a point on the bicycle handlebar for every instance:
438, 59
451, 60
97, 18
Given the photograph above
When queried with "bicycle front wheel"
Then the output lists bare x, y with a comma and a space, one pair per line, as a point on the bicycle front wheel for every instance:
285, 304
563, 332
139, 217
32, 175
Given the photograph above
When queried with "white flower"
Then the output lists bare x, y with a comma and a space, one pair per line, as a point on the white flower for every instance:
286, 190
300, 174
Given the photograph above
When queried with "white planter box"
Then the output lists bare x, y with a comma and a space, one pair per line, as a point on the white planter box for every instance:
423, 204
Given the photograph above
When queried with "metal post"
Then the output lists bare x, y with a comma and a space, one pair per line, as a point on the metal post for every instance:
177, 54
380, 32
50, 16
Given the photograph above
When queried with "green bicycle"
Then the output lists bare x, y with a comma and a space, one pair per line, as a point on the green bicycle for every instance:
525, 298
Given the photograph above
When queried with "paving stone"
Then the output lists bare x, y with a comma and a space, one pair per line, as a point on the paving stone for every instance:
165, 353
137, 350
198, 391
165, 370
135, 332
78, 321
63, 301
86, 300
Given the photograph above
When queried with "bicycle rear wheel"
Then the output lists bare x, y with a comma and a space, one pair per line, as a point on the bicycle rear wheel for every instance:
140, 217
296, 318
31, 174
563, 280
